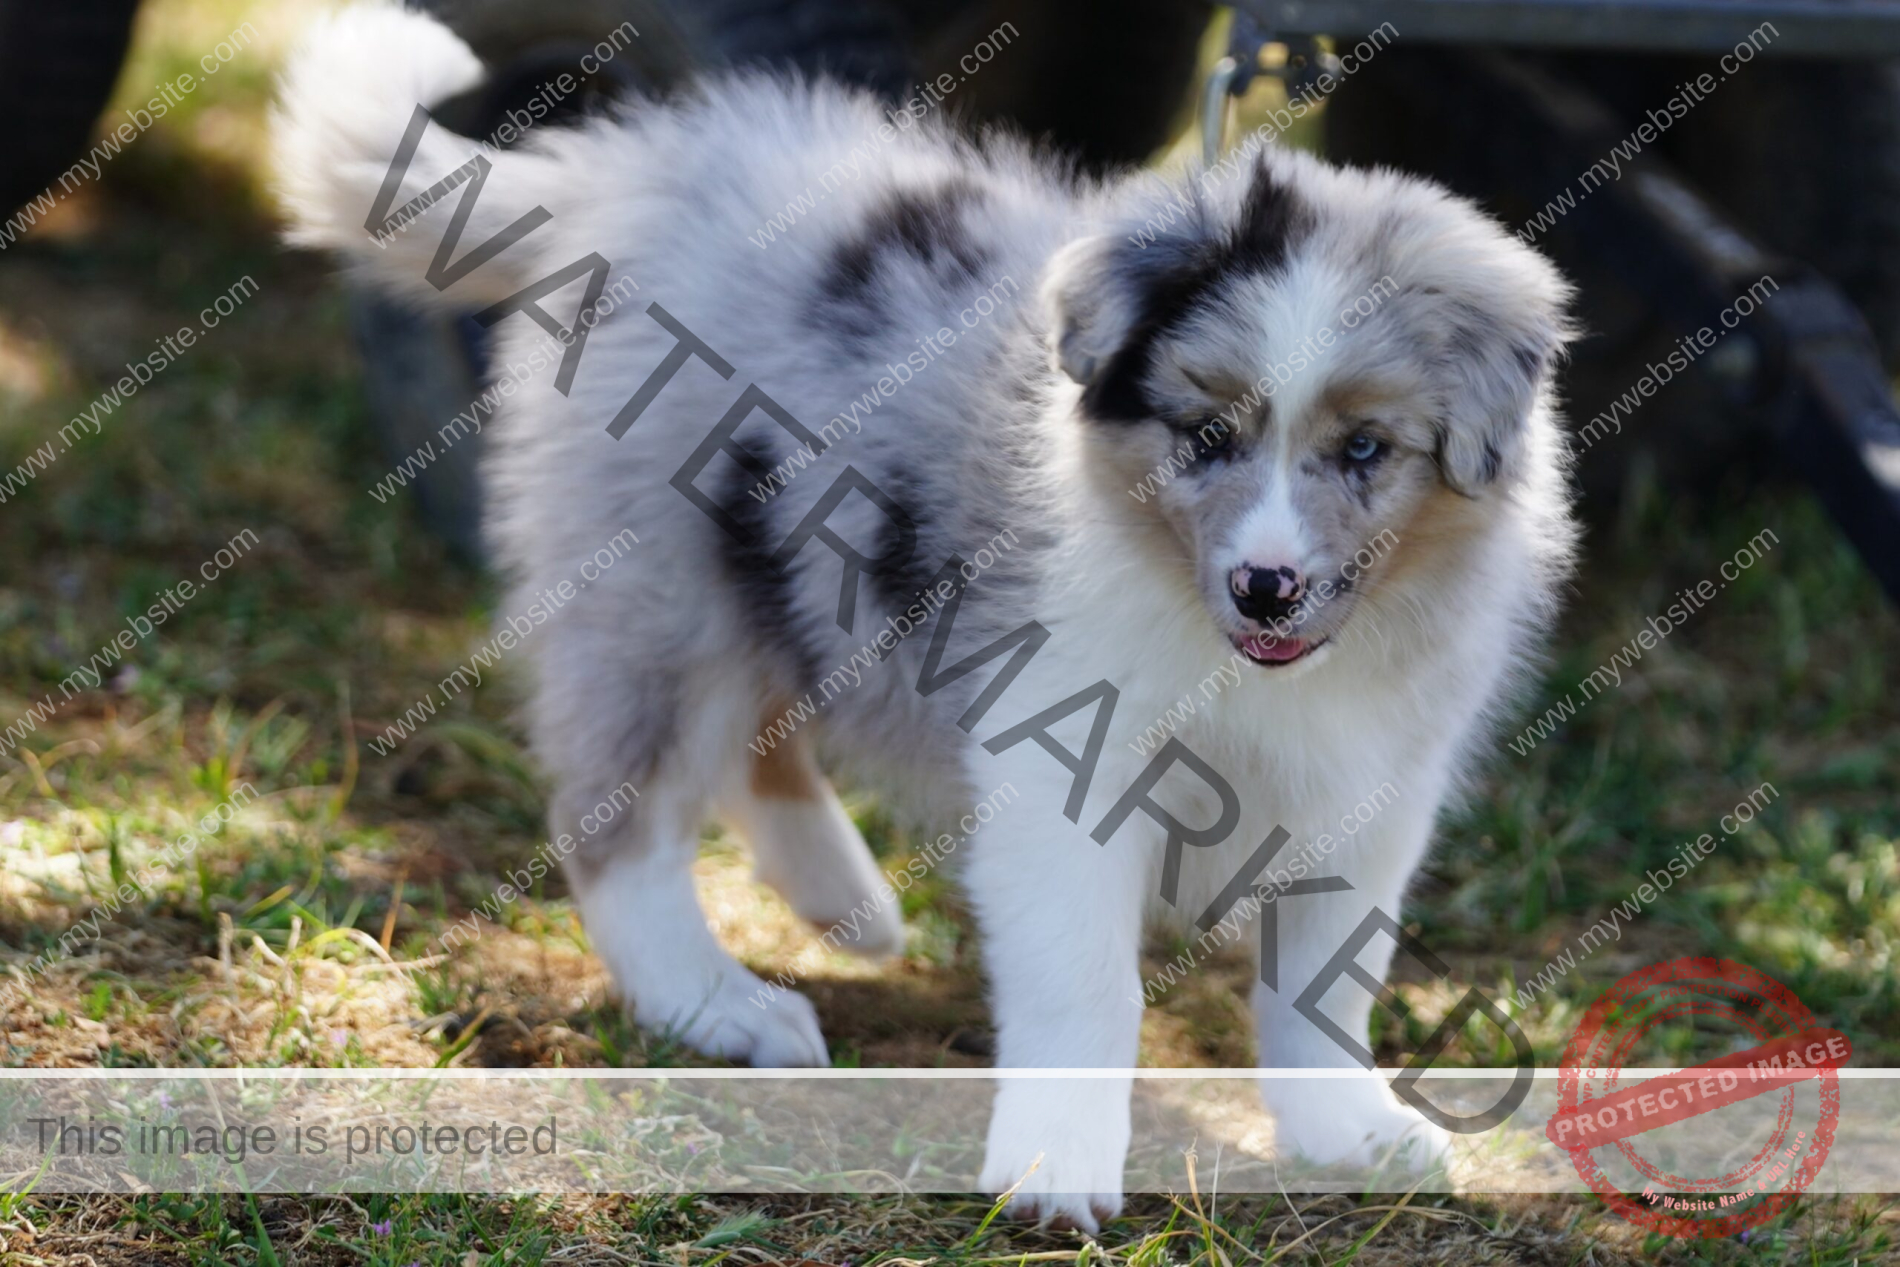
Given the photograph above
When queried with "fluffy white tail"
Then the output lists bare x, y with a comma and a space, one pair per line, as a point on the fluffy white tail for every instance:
346, 121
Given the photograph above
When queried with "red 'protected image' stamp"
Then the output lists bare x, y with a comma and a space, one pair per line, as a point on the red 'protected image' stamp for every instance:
1623, 1134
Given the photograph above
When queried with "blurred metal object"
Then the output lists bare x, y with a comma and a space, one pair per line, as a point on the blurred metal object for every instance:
1809, 28
1300, 63
1216, 104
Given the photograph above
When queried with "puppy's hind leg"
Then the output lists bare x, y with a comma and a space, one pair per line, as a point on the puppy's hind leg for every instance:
805, 846
633, 877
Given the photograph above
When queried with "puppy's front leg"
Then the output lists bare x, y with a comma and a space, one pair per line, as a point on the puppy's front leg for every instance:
1355, 1120
1061, 924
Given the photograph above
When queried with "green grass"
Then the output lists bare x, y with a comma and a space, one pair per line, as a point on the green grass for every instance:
347, 612
526, 1231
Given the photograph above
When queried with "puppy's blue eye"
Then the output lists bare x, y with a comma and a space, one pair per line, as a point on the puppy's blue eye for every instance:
1363, 448
1216, 437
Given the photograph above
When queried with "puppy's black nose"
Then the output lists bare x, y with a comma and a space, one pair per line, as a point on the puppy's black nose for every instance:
1266, 594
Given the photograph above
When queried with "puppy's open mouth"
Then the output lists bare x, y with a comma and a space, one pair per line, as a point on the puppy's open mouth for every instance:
1264, 648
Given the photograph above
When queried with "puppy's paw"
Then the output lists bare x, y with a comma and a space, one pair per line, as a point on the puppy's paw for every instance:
748, 1020
1065, 1143
1064, 1211
1355, 1122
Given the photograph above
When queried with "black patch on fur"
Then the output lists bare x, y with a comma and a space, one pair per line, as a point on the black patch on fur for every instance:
1118, 394
897, 585
765, 591
922, 226
1271, 223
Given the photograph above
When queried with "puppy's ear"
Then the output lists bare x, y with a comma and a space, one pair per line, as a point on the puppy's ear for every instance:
1107, 297
1104, 297
1094, 305
1498, 328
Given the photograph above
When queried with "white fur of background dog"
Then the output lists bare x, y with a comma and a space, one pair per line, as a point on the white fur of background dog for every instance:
1037, 421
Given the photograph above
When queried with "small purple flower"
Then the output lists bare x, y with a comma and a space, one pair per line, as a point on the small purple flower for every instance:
1746, 1233
383, 1228
692, 1149
164, 1099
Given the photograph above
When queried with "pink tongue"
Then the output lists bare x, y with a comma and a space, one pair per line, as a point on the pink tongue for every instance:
1275, 650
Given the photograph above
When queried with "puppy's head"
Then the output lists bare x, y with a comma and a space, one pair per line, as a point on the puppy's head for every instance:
1301, 373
